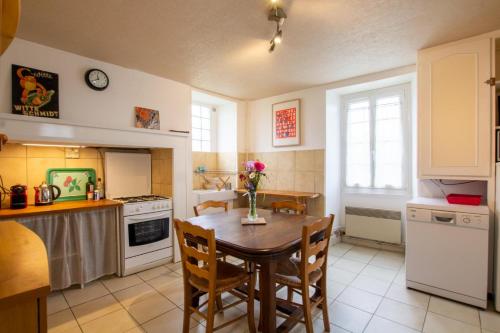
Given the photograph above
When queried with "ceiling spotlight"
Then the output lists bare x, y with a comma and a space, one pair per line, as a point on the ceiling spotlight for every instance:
278, 15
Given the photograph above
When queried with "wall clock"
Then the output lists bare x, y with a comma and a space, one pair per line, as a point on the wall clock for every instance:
96, 79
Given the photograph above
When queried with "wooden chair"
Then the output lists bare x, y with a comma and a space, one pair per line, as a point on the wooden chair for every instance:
298, 208
203, 273
315, 244
210, 204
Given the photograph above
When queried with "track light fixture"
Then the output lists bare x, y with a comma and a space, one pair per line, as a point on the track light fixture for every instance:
276, 14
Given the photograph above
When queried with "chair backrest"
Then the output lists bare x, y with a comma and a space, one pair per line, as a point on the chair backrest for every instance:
210, 204
298, 208
197, 247
315, 244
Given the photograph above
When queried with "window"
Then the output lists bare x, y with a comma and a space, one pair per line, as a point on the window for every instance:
377, 139
201, 128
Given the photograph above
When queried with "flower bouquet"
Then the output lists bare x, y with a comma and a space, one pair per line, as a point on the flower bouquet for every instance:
254, 171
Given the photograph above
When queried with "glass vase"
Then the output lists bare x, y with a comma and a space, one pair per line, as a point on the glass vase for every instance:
252, 206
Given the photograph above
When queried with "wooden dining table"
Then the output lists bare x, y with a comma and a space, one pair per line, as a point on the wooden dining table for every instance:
263, 244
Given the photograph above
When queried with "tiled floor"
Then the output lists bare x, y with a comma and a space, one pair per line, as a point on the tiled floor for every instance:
366, 292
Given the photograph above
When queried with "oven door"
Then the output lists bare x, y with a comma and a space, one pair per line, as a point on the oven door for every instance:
147, 233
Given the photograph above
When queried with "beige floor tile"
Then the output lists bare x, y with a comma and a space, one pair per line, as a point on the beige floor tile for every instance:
347, 317
435, 323
490, 320
349, 265
360, 299
401, 277
96, 308
486, 331
174, 266
61, 321
402, 294
160, 282
404, 314
454, 310
339, 275
150, 308
167, 322
153, 272
379, 273
115, 322
340, 249
387, 259
135, 294
361, 254
91, 291
136, 330
382, 325
174, 292
56, 303
371, 285
333, 289
119, 283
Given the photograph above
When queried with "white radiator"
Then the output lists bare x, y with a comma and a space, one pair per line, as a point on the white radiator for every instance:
375, 224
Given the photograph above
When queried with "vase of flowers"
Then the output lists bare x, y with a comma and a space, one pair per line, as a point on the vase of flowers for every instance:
254, 171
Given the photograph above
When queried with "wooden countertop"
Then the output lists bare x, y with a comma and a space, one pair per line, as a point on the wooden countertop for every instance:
284, 194
57, 207
24, 269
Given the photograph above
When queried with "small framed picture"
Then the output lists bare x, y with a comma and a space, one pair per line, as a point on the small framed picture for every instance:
286, 123
147, 118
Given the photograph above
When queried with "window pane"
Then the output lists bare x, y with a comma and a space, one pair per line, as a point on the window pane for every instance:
196, 145
205, 135
205, 123
205, 112
205, 145
195, 110
196, 122
196, 135
388, 143
358, 160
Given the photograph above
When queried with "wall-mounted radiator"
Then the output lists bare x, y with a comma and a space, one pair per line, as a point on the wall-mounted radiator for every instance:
376, 224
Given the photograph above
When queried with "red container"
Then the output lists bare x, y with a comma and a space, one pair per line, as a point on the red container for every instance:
464, 199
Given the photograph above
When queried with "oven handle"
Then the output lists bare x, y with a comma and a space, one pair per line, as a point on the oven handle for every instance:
145, 218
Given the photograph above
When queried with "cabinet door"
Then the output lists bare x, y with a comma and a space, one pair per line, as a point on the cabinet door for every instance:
454, 110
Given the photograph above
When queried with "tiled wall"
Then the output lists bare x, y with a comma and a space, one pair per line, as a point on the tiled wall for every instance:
28, 165
161, 172
214, 161
301, 170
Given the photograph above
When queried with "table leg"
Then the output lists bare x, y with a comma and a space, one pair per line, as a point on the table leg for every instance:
267, 293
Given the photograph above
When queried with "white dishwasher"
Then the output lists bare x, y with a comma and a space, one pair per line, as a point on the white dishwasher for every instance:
447, 249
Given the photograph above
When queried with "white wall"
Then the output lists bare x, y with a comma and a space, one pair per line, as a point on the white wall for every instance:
115, 105
227, 128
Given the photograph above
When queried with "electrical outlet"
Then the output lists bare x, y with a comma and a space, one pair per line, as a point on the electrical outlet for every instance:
72, 152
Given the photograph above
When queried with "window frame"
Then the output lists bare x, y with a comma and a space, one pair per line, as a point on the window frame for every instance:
403, 90
213, 130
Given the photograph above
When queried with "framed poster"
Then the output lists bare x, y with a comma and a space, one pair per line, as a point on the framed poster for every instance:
35, 92
286, 123
147, 118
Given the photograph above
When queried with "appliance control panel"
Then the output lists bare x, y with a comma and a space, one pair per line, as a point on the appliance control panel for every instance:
473, 221
146, 207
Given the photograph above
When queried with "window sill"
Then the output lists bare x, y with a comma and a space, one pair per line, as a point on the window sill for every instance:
377, 192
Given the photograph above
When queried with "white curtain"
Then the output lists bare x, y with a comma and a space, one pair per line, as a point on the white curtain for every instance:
81, 246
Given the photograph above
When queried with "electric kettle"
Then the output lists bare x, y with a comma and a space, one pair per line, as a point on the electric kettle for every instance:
44, 194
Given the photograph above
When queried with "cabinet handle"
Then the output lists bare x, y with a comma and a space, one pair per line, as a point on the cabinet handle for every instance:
176, 131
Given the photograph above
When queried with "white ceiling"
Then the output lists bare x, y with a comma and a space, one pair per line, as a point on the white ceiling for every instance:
221, 45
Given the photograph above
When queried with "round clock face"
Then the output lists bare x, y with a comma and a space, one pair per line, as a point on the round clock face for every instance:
96, 79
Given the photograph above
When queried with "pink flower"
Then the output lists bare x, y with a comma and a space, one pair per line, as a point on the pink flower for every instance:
259, 166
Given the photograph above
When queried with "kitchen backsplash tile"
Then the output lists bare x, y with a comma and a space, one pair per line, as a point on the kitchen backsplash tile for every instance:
161, 172
47, 152
12, 150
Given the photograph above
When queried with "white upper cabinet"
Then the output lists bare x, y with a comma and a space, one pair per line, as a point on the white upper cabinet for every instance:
454, 112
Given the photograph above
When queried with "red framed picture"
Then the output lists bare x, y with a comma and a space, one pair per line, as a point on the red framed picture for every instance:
286, 123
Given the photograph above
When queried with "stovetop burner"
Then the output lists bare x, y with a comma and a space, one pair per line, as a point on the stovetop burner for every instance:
141, 198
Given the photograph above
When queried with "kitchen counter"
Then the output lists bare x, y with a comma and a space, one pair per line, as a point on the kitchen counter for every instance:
58, 207
283, 194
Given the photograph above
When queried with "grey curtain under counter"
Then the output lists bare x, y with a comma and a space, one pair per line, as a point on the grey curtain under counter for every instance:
82, 246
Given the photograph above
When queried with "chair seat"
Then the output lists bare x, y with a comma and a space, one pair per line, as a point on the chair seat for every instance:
228, 276
291, 276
